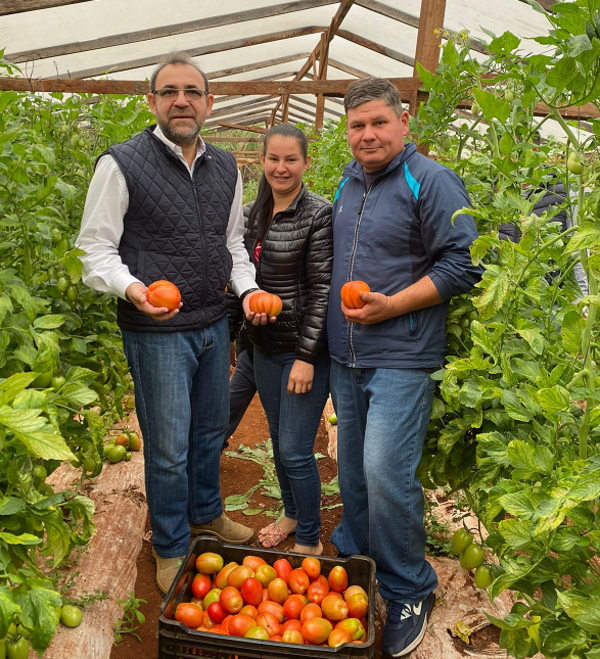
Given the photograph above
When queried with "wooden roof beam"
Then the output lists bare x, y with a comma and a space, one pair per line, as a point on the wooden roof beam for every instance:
375, 47
336, 64
224, 73
193, 52
234, 107
335, 113
8, 7
250, 129
156, 33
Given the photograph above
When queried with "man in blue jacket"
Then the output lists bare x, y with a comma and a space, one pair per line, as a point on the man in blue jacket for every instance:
394, 229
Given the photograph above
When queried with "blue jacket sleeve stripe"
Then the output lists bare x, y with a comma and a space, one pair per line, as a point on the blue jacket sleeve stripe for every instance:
342, 184
413, 184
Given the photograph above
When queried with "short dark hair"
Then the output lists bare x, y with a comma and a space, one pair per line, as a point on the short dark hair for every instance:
181, 58
373, 89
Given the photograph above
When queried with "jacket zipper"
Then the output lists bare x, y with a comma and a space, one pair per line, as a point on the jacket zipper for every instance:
353, 254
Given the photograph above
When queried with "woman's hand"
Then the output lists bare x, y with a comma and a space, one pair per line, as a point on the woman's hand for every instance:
301, 377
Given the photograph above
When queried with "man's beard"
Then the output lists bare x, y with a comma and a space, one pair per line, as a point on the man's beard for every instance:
183, 136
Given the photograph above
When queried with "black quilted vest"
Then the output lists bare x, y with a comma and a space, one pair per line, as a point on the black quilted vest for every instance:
176, 229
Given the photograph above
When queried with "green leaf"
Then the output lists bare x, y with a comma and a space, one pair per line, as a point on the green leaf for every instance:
82, 511
585, 238
554, 399
49, 322
40, 606
11, 505
495, 282
78, 395
8, 609
40, 438
250, 512
571, 332
517, 533
14, 385
534, 338
578, 44
514, 408
23, 539
492, 107
562, 640
530, 459
59, 536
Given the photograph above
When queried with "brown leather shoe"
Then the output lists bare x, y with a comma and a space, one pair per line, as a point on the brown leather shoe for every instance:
166, 571
225, 529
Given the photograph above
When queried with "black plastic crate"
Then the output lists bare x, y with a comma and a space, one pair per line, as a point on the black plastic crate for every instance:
177, 640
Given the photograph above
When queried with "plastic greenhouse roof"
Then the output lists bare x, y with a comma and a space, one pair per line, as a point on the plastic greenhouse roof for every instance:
241, 40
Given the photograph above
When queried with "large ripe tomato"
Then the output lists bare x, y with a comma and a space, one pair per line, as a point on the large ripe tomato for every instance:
311, 610
292, 636
231, 599
189, 614
338, 579
298, 581
292, 607
209, 563
164, 294
217, 613
253, 561
269, 622
283, 568
252, 591
264, 302
249, 610
317, 591
240, 624
353, 590
201, 585
358, 605
221, 578
350, 293
291, 624
278, 591
312, 566
238, 575
338, 637
272, 607
316, 630
334, 608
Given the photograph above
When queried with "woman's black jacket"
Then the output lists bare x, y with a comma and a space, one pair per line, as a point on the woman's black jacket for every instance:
295, 263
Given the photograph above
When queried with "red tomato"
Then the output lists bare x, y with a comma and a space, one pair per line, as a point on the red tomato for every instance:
312, 566
316, 630
189, 614
338, 579
201, 585
249, 610
353, 590
164, 294
221, 578
217, 613
252, 591
269, 622
207, 621
240, 624
278, 591
350, 294
358, 605
334, 608
317, 591
292, 607
298, 581
291, 624
277, 637
283, 568
272, 607
231, 599
310, 611
264, 302
225, 624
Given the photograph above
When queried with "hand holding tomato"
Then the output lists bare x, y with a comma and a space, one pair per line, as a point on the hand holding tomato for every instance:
260, 310
376, 308
137, 294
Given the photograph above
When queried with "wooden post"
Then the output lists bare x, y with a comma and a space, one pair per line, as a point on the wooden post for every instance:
322, 75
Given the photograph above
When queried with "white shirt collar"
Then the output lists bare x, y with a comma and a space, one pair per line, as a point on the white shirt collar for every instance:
200, 148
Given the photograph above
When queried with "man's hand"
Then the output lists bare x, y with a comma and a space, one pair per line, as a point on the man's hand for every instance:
377, 308
136, 294
301, 377
255, 318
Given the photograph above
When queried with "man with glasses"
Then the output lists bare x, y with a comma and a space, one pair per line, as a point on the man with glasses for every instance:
166, 205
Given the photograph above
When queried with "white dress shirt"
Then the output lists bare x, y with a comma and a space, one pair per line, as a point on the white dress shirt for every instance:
102, 228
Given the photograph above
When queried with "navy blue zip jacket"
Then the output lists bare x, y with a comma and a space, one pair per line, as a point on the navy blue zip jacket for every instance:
391, 236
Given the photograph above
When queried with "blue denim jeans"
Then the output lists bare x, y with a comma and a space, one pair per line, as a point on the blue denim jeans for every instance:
182, 401
293, 423
242, 388
382, 419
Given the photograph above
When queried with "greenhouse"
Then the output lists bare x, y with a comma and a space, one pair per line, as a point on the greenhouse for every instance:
298, 329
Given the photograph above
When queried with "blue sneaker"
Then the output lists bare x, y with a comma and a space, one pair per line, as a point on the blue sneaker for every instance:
405, 626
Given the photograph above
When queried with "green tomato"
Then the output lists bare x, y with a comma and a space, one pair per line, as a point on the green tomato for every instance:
461, 539
71, 616
72, 294
62, 284
446, 142
574, 163
43, 380
39, 475
475, 108
2, 650
483, 577
23, 631
472, 557
57, 382
134, 442
89, 464
509, 95
18, 649
333, 419
116, 454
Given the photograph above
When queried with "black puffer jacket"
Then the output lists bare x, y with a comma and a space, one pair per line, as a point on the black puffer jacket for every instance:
295, 263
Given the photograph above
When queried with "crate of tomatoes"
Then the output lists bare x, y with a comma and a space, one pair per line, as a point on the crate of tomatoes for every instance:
231, 602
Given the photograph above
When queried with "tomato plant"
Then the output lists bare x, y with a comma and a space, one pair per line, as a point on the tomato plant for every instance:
163, 294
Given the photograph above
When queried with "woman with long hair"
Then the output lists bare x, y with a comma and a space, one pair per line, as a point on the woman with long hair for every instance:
291, 244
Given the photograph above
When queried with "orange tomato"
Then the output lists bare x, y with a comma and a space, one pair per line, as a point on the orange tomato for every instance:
189, 614
312, 566
164, 294
263, 302
350, 293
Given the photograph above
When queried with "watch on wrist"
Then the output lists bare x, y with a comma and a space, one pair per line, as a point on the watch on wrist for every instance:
250, 290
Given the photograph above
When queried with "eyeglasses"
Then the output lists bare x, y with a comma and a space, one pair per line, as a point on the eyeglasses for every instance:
170, 94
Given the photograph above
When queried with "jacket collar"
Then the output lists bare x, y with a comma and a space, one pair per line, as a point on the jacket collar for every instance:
294, 205
356, 171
